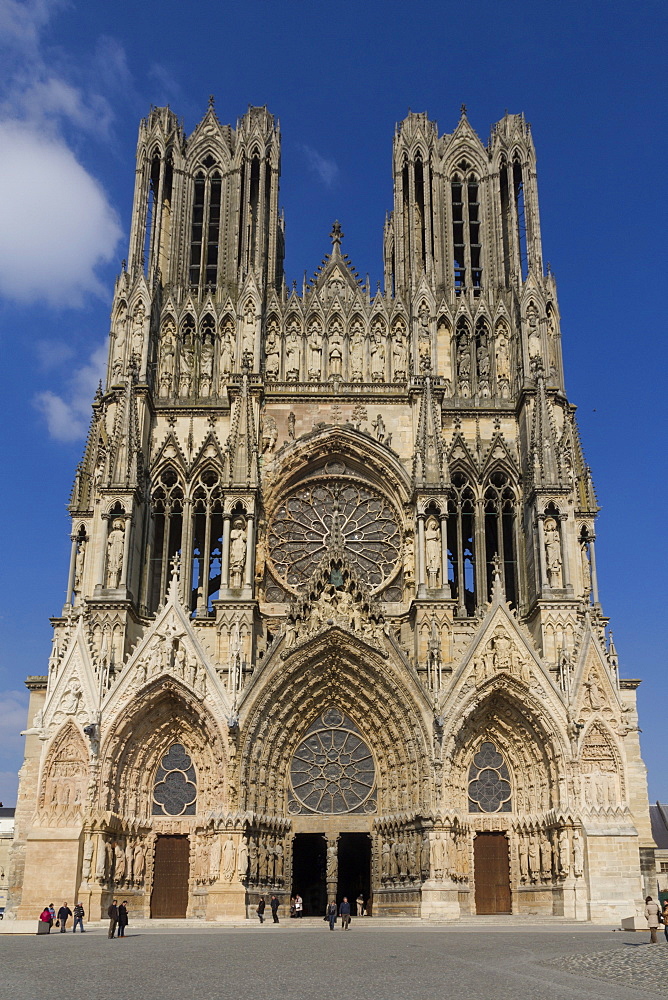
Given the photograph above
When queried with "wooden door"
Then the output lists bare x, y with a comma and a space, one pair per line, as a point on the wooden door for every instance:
171, 871
491, 873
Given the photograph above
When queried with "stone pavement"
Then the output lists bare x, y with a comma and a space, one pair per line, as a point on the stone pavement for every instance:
295, 960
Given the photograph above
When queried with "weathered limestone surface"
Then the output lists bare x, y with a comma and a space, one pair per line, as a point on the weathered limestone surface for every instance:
332, 620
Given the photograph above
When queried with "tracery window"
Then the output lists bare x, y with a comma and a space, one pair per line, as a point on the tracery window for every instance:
167, 509
332, 770
207, 541
175, 788
205, 226
337, 513
489, 788
500, 534
467, 247
461, 544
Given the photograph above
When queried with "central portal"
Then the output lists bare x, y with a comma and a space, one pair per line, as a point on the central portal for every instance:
309, 862
312, 870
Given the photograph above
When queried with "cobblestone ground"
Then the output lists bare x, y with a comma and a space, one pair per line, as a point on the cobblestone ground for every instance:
285, 962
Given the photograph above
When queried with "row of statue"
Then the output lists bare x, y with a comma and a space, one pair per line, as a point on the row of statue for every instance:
543, 857
414, 857
121, 862
334, 606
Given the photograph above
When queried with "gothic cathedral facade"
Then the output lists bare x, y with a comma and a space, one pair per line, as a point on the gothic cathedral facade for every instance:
332, 622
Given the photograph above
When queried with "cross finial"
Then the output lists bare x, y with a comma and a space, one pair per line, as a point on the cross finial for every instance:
463, 110
212, 102
336, 236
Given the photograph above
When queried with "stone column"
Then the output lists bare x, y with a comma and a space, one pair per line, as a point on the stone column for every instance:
225, 562
332, 870
594, 574
421, 592
480, 556
541, 554
249, 568
126, 551
445, 585
70, 574
186, 553
565, 565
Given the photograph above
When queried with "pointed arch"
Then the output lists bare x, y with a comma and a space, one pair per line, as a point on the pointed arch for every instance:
165, 712
64, 779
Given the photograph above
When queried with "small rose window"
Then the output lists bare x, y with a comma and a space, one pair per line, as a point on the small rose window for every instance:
175, 789
489, 781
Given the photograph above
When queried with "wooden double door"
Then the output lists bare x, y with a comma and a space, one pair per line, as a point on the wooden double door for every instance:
171, 872
491, 873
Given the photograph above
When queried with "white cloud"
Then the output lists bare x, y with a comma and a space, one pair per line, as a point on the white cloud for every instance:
56, 225
68, 415
326, 170
13, 720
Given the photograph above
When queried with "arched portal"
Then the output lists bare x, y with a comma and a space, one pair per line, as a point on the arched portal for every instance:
338, 738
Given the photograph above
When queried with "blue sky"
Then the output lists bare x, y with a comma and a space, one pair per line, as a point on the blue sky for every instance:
77, 77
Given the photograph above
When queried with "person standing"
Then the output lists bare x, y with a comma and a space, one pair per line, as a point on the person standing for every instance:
360, 905
79, 914
45, 921
63, 913
665, 918
112, 913
344, 912
299, 906
331, 913
52, 910
260, 909
652, 915
274, 908
122, 918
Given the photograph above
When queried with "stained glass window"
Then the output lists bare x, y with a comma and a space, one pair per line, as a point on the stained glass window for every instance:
332, 770
175, 789
315, 517
489, 781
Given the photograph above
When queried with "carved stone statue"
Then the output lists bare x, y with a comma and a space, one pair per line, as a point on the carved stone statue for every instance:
206, 368
552, 552
214, 858
167, 356
227, 349
534, 334
186, 368
87, 858
315, 353
291, 426
139, 862
292, 353
79, 566
115, 548
248, 333
464, 364
138, 333
237, 552
272, 352
356, 354
503, 364
534, 865
119, 863
578, 854
545, 858
432, 537
229, 860
523, 853
377, 356
70, 703
564, 854
424, 338
242, 859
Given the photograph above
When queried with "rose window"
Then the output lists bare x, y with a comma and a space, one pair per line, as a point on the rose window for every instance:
175, 790
332, 770
489, 781
342, 514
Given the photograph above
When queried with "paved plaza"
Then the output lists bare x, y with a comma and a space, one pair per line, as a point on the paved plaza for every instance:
292, 961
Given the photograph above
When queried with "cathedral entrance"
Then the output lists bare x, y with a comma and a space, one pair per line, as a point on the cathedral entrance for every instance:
492, 873
171, 871
354, 868
309, 866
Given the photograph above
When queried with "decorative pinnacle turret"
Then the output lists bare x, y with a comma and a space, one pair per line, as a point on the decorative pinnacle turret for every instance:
463, 111
336, 236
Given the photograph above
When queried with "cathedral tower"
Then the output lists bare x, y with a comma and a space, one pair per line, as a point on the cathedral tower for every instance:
332, 621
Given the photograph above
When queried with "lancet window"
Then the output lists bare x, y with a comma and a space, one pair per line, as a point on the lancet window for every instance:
158, 213
167, 510
461, 545
500, 548
466, 238
207, 544
514, 229
175, 787
205, 225
489, 788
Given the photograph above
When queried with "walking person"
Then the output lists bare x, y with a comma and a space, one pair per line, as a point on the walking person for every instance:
112, 913
63, 913
653, 917
45, 921
331, 913
122, 918
78, 918
665, 918
52, 910
274, 908
344, 913
260, 909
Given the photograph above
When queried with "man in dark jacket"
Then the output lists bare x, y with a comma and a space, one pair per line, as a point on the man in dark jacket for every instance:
63, 913
79, 915
122, 918
112, 913
274, 908
260, 909
344, 912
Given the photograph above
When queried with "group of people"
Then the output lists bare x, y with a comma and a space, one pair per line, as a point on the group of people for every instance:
48, 917
118, 918
656, 915
273, 904
343, 912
